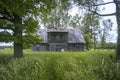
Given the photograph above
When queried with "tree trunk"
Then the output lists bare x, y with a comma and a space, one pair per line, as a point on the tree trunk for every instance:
94, 41
18, 42
18, 50
118, 27
103, 41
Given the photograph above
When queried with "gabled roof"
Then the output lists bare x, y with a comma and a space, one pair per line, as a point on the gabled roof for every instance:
53, 30
74, 35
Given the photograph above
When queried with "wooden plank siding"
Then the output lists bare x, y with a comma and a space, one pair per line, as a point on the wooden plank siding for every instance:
75, 46
40, 47
57, 46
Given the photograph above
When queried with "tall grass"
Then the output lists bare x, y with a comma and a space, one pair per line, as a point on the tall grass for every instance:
88, 65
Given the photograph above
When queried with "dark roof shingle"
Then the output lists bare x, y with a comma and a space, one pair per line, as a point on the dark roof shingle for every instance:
74, 35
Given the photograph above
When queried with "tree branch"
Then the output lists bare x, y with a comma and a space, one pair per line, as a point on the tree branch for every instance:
8, 13
94, 12
111, 14
96, 4
3, 17
3, 27
4, 12
102, 4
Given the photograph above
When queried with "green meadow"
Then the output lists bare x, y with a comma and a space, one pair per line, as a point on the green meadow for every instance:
86, 65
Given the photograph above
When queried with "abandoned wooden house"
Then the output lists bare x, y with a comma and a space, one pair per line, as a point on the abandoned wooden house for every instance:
57, 40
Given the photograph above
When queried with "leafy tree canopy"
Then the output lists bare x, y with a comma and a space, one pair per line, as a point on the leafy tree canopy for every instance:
21, 17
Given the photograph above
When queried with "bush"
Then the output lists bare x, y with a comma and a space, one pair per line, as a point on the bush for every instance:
89, 42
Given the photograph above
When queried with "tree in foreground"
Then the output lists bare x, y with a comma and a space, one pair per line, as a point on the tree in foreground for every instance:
18, 21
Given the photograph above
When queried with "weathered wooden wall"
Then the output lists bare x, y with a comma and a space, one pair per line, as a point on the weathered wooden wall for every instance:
40, 47
57, 46
75, 46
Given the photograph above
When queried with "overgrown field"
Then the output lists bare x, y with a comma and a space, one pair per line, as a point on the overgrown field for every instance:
88, 65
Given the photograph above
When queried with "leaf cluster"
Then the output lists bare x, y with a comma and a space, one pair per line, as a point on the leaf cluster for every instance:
89, 42
5, 36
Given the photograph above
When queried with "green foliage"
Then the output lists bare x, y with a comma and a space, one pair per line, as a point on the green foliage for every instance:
75, 21
89, 42
30, 25
109, 45
30, 37
90, 24
29, 40
21, 16
23, 8
5, 36
90, 20
58, 17
89, 65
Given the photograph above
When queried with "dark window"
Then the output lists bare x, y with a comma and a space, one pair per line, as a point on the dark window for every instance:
52, 35
61, 36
